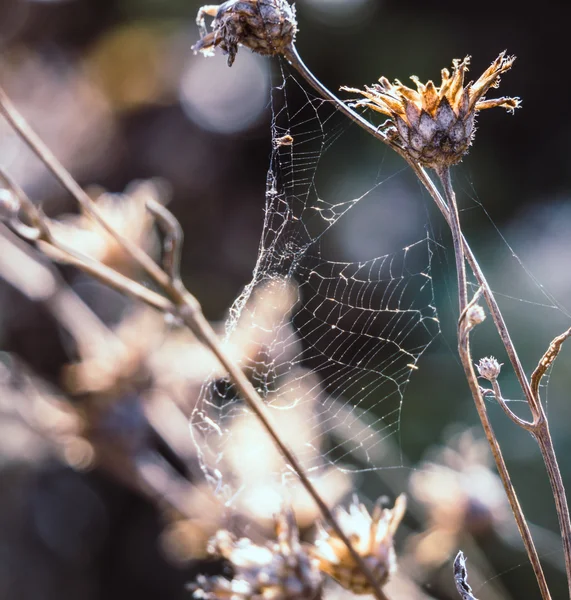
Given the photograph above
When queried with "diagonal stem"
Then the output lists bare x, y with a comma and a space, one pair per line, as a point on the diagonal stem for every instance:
185, 304
468, 365
295, 60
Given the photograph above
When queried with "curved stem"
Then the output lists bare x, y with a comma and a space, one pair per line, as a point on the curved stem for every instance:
294, 59
456, 230
184, 303
468, 365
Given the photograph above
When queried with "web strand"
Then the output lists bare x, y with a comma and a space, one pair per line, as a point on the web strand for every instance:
331, 342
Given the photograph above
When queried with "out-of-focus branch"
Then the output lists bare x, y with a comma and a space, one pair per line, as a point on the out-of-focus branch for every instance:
180, 302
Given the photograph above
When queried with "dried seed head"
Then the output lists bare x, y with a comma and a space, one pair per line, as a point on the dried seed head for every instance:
278, 571
435, 125
475, 315
129, 216
372, 537
267, 27
489, 368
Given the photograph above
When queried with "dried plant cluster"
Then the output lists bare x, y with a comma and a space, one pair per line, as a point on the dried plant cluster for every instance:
435, 125
124, 400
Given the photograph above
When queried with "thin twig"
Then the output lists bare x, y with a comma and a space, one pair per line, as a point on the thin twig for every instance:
29, 136
467, 363
295, 60
497, 393
174, 238
188, 309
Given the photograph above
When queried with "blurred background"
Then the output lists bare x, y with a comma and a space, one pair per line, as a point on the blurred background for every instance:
114, 90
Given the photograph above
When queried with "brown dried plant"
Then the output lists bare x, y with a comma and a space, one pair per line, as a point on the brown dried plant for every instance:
444, 139
176, 300
429, 127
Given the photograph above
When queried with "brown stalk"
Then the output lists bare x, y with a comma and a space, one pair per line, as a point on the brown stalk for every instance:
185, 305
465, 252
468, 365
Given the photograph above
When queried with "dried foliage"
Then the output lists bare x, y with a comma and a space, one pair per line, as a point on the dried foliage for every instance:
435, 125
125, 392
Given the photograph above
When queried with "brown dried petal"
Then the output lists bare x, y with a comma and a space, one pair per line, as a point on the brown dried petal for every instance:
457, 81
430, 98
491, 77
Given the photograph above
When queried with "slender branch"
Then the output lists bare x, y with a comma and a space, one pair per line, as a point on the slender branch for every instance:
497, 393
29, 136
41, 235
456, 230
486, 289
174, 237
186, 305
467, 363
294, 59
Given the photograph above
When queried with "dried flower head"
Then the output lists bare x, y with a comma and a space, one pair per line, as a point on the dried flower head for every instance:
489, 368
128, 215
278, 571
435, 125
372, 537
267, 27
461, 495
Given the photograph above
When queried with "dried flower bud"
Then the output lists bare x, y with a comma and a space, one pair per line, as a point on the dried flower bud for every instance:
9, 204
435, 125
278, 571
489, 368
372, 537
267, 27
475, 315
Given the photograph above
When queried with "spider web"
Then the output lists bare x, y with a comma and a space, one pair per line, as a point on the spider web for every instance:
329, 343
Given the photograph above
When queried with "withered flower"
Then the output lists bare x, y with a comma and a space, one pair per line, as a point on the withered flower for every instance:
435, 125
278, 571
127, 213
267, 27
371, 536
461, 495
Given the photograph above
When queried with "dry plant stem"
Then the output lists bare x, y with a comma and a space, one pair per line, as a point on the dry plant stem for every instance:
444, 175
468, 364
295, 60
293, 57
187, 307
197, 323
20, 125
41, 235
539, 428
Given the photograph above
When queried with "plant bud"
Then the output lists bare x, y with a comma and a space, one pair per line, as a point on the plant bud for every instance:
475, 315
489, 368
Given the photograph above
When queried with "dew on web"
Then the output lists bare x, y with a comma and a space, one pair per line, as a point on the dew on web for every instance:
329, 344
